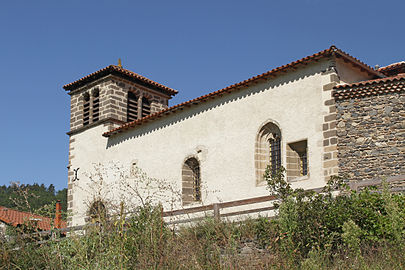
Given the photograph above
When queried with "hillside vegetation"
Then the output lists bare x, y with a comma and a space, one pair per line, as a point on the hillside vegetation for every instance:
355, 230
32, 198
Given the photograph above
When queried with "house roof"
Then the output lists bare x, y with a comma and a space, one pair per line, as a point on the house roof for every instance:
15, 218
122, 72
371, 87
332, 51
393, 68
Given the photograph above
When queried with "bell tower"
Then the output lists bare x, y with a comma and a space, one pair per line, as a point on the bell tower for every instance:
111, 96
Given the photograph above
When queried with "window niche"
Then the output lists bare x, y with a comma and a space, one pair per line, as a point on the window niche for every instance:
97, 212
191, 181
297, 160
267, 150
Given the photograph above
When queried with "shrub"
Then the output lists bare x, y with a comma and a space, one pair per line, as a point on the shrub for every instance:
321, 221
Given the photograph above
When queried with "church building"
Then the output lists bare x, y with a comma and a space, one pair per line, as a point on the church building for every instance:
323, 115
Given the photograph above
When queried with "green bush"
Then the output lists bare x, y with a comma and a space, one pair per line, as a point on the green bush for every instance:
329, 222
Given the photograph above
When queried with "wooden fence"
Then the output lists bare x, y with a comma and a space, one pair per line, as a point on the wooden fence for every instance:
193, 214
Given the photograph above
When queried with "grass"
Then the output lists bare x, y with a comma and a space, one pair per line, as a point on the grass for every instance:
146, 243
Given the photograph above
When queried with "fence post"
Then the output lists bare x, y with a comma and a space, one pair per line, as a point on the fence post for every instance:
217, 214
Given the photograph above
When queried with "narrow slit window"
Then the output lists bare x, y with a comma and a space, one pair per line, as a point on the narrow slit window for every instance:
303, 163
275, 154
132, 107
145, 107
86, 109
96, 106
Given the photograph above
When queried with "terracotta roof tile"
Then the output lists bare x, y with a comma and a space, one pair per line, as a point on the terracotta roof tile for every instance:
332, 51
388, 70
14, 218
370, 87
120, 71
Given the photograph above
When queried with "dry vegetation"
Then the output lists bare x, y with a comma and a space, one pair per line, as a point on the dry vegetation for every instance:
356, 230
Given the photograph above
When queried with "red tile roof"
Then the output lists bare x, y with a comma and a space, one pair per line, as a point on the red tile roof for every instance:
394, 68
112, 69
332, 51
370, 87
15, 218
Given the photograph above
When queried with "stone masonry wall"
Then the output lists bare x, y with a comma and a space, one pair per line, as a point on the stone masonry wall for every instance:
77, 101
371, 136
113, 100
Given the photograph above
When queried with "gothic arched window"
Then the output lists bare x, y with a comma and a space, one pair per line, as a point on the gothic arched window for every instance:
191, 181
267, 150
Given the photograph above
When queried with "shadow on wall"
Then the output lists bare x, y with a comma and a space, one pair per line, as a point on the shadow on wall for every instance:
187, 113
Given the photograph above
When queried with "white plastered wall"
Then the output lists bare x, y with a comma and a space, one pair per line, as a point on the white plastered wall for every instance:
348, 73
221, 133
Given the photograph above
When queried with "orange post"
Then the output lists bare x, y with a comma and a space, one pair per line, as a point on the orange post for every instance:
58, 215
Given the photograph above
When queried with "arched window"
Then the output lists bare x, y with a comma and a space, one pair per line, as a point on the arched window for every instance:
97, 212
132, 107
191, 181
267, 150
145, 107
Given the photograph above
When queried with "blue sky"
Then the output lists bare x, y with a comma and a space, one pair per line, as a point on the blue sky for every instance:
193, 46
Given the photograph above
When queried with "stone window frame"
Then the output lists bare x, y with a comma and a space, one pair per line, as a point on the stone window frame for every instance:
262, 158
191, 188
295, 160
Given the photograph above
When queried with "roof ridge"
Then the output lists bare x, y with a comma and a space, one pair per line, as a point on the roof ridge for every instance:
392, 64
141, 76
128, 72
